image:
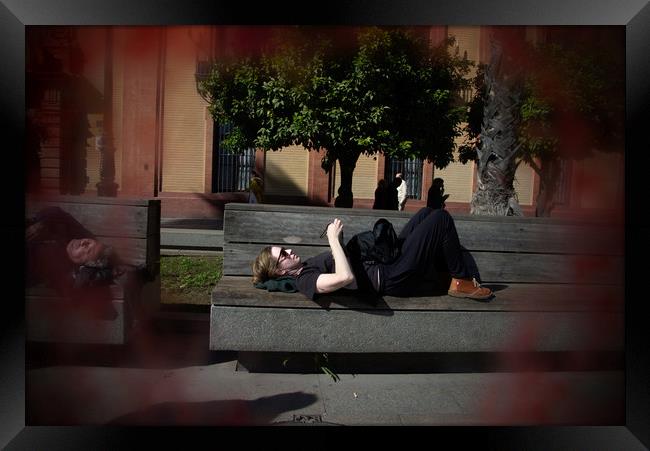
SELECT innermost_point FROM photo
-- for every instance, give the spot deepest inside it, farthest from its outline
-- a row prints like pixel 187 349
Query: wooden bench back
pixel 506 249
pixel 131 226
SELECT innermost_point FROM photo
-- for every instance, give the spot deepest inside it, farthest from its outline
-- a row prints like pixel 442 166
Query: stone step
pixel 191 239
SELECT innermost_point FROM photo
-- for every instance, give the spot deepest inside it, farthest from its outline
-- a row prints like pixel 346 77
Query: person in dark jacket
pixel 381 196
pixel 428 238
pixel 436 196
pixel 63 254
pixel 392 202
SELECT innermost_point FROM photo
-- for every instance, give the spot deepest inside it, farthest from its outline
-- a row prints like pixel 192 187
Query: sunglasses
pixel 283 253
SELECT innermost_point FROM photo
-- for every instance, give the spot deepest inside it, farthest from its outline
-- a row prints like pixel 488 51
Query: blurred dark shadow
pixel 261 411
pixel 495 286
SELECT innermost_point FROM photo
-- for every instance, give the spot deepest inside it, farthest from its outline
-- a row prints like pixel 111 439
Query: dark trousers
pixel 429 239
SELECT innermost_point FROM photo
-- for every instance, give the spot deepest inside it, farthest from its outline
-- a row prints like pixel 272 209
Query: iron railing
pixel 411 170
pixel 231 171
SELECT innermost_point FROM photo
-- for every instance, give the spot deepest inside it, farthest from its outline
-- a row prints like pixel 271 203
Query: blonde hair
pixel 264 266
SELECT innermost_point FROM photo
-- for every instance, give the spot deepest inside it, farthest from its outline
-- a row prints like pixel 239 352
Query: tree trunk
pixel 495 194
pixel 347 164
pixel 497 153
pixel 549 177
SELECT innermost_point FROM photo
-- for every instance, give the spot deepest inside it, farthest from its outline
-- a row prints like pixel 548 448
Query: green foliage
pixel 390 93
pixel 572 103
pixel 580 86
pixel 536 135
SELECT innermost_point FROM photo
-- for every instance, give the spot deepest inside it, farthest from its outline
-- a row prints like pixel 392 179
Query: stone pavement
pixel 186 236
pixel 168 376
pixel 216 394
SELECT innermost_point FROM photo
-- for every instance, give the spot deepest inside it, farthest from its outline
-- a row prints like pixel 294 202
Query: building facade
pixel 163 142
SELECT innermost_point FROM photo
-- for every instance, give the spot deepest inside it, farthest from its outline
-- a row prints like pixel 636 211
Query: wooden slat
pixel 493 266
pixel 98 200
pixel 103 219
pixel 311 210
pixel 239 291
pixel 494 235
pixel 540 268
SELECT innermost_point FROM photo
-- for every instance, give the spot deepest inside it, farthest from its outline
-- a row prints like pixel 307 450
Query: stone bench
pixel 132 227
pixel 558 288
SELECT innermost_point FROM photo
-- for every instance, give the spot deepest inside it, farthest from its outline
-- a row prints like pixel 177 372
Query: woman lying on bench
pixel 429 237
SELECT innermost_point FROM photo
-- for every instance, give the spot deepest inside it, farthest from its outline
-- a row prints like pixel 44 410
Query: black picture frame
pixel 633 14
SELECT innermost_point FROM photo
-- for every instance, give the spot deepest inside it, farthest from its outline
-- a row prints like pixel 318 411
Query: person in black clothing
pixel 392 202
pixel 428 238
pixel 381 196
pixel 436 196
pixel 64 255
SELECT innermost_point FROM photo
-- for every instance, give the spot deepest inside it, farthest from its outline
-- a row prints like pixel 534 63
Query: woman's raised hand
pixel 334 229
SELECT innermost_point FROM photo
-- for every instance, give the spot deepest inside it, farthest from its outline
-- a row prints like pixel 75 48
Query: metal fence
pixel 231 170
pixel 411 173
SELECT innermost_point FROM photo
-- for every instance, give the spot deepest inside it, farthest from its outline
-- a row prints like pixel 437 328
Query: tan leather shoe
pixel 468 288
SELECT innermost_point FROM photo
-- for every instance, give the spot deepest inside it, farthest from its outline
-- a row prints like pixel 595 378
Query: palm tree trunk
pixel 498 150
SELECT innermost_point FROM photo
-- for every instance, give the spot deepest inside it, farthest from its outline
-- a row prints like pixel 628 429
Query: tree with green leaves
pixel 569 105
pixel 391 93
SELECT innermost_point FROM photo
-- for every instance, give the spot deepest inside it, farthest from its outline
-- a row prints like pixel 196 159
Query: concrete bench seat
pixel 132 227
pixel 557 289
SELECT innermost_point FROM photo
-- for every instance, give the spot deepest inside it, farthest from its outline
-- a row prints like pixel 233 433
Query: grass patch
pixel 189 279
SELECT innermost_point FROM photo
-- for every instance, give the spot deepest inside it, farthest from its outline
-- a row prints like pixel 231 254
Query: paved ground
pixel 216 394
pixel 168 376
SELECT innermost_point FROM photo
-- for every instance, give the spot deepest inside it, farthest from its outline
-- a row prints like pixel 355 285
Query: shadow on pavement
pixel 261 411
